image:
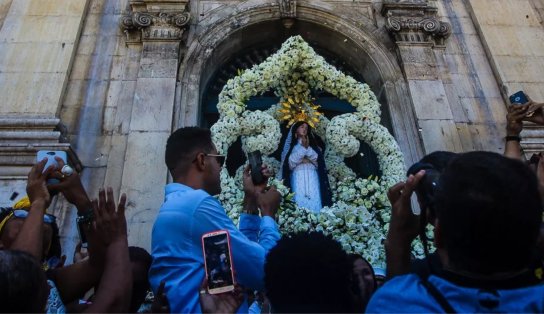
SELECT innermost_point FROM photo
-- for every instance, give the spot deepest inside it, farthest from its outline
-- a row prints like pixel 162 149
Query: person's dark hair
pixel 439 159
pixel 182 143
pixel 319 147
pixel 140 284
pixel 23 286
pixel 489 211
pixel 308 272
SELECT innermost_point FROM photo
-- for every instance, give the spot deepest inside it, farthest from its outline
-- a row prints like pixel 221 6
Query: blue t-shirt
pixel 406 294
pixel 176 245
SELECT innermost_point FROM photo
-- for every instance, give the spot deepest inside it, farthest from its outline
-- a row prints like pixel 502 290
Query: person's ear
pixel 200 161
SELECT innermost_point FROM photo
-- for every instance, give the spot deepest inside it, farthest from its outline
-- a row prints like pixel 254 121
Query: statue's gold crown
pixel 295 110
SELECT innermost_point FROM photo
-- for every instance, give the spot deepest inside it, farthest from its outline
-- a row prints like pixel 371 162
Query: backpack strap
pixel 438 296
pixel 424 273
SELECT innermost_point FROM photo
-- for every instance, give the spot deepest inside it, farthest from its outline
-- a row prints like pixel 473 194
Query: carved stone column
pixel 158 26
pixel 418 34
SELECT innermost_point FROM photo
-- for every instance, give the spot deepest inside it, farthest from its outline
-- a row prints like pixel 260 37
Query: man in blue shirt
pixel 189 211
pixel 487 219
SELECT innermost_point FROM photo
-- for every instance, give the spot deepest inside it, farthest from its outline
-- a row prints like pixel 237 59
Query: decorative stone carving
pixel 22 138
pixel 415 22
pixel 288 8
pixel 152 22
pixel 288 12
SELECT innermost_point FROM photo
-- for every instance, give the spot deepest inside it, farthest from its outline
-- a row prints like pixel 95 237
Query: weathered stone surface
pixel 430 100
pixel 440 135
pixel 153 104
pixel 144 173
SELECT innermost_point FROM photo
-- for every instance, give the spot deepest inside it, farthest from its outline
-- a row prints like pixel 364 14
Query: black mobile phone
pixel 518 98
pixel 82 236
pixel 218 261
pixel 256 164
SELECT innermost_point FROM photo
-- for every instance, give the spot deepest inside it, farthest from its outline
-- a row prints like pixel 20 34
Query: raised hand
pixel 110 224
pixel 514 118
pixel 251 188
pixel 227 302
pixel 71 187
pixel 36 187
pixel 403 227
pixel 269 201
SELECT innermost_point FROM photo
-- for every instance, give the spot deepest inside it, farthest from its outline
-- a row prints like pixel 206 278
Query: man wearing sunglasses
pixel 190 210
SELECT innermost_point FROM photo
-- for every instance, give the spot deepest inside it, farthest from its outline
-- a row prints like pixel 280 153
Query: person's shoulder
pixel 404 290
pixel 180 196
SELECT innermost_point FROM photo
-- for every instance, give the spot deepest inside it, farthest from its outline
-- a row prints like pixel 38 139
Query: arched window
pixel 364 163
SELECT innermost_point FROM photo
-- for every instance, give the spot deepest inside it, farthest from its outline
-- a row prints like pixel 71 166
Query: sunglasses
pixel 220 158
pixel 47 218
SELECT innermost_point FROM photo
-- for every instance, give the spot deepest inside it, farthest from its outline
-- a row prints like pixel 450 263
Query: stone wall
pixel 112 93
pixel 513 38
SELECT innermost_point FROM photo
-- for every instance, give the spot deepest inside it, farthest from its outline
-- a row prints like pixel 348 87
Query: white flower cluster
pixel 359 218
pixel 277 72
pixel 260 132
pixel 345 131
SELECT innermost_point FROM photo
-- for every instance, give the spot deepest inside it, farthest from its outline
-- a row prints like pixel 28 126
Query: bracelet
pixel 87 217
pixel 516 138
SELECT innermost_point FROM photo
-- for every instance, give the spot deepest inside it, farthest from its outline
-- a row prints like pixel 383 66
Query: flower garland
pixel 359 218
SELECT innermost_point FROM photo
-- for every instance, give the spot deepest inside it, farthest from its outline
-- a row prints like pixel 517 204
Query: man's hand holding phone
pixel 269 201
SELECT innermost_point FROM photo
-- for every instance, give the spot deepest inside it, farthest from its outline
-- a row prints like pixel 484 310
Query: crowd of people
pixel 485 210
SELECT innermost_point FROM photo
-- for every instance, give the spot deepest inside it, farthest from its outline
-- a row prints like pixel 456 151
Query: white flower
pixel 360 216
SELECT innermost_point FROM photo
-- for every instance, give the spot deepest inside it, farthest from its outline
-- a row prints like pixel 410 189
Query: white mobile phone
pixel 51 160
pixel 218 261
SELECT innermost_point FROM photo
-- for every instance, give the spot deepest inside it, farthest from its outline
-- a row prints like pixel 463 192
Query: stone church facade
pixel 108 80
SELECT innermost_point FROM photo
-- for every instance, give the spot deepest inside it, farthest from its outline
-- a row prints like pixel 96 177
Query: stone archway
pixel 366 47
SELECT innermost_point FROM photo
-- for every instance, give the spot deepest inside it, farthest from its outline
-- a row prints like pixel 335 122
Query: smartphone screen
pixel 218 262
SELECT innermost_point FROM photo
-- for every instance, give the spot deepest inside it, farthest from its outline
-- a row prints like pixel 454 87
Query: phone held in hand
pixel 518 98
pixel 51 161
pixel 82 235
pixel 256 163
pixel 218 262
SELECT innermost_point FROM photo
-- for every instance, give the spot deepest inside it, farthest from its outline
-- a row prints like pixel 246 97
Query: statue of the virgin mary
pixel 303 168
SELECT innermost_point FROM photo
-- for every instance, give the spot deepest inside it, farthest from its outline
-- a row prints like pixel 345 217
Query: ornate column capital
pixel 155 20
pixel 414 22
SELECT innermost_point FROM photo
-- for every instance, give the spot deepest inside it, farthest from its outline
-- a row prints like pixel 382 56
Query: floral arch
pixel 360 215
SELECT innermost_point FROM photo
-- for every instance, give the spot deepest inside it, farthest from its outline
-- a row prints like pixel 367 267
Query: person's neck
pixel 191 180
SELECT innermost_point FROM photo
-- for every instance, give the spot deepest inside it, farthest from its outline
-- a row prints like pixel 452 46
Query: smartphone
pixel 82 236
pixel 256 164
pixel 51 161
pixel 518 98
pixel 218 262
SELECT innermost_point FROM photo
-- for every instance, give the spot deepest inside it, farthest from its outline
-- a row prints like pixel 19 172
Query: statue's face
pixel 302 130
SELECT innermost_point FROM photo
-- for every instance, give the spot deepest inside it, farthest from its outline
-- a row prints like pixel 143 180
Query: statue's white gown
pixel 304 177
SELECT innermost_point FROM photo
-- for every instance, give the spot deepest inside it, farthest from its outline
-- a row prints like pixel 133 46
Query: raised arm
pixel 514 126
pixel 30 238
pixel 74 280
pixel 403 227
pixel 115 286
